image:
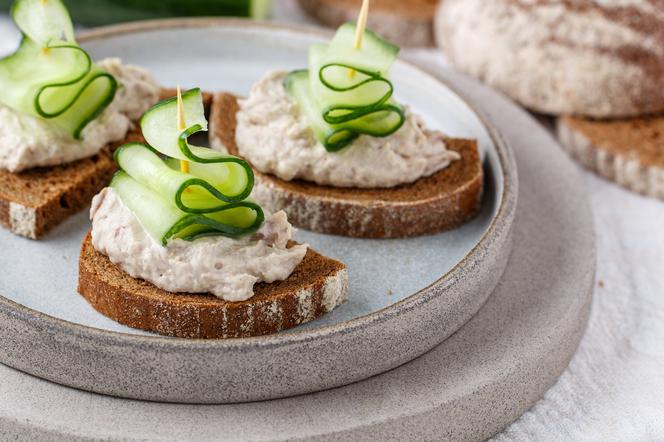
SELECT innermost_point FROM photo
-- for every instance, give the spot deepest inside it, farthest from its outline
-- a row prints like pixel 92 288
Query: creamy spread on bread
pixel 27 141
pixel 225 267
pixel 276 139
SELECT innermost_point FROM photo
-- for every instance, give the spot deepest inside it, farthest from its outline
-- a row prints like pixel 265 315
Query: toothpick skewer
pixel 182 125
pixel 361 23
pixel 359 29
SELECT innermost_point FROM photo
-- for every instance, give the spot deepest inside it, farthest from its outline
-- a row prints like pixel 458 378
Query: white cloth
pixel 613 389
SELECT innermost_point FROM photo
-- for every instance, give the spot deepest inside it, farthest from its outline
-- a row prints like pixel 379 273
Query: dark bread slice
pixel 317 285
pixel 36 200
pixel 442 201
pixel 628 151
pixel 406 23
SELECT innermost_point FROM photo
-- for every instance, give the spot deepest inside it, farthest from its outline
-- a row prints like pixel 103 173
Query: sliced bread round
pixel 576 57
pixel 629 152
pixel 442 201
pixel 406 23
pixel 316 286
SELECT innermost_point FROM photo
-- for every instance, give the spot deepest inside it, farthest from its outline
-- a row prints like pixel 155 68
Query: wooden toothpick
pixel 182 125
pixel 361 23
pixel 359 29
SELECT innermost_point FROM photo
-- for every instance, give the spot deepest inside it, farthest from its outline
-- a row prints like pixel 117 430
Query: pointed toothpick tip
pixel 360 26
pixel 182 125
pixel 180 110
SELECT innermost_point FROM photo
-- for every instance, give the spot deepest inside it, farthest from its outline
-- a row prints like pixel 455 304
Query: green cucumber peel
pixel 346 92
pixel 50 76
pixel 210 199
pixel 343 113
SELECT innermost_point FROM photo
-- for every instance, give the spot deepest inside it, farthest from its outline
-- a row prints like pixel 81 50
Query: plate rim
pixel 503 217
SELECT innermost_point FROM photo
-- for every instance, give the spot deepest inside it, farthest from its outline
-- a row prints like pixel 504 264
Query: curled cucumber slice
pixel 205 189
pixel 210 199
pixel 50 76
pixel 346 92
pixel 164 221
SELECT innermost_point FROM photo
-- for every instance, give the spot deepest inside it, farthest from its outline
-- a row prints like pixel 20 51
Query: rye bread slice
pixel 406 23
pixel 317 286
pixel 629 152
pixel 442 201
pixel 36 200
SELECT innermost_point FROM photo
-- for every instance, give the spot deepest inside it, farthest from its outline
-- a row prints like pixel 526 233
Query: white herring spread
pixel 225 267
pixel 276 139
pixel 27 141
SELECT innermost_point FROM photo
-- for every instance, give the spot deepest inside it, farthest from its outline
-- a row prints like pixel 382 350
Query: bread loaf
pixel 583 57
pixel 406 23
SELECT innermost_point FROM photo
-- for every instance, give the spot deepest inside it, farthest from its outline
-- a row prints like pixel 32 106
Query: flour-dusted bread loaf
pixel 316 286
pixel 442 201
pixel 406 23
pixel 629 152
pixel 583 57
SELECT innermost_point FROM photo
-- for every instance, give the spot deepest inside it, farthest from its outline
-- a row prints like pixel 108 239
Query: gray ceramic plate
pixel 466 389
pixel 406 295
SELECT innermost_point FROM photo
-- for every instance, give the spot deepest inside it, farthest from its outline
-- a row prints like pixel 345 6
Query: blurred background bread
pixel 601 59
pixel 404 22
pixel 628 151
pixel 597 65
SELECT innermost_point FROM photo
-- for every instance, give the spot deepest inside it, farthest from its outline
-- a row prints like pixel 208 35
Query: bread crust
pixel 404 23
pixel 442 201
pixel 569 57
pixel 317 285
pixel 628 152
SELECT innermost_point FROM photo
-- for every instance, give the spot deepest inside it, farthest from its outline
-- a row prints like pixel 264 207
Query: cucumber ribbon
pixel 346 92
pixel 50 76
pixel 210 199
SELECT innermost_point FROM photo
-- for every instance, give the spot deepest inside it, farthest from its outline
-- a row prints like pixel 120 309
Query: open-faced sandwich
pixel 178 248
pixel 340 155
pixel 60 113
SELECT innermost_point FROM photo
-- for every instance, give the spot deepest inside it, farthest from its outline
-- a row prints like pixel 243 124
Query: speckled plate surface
pixel 406 295
pixel 466 389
